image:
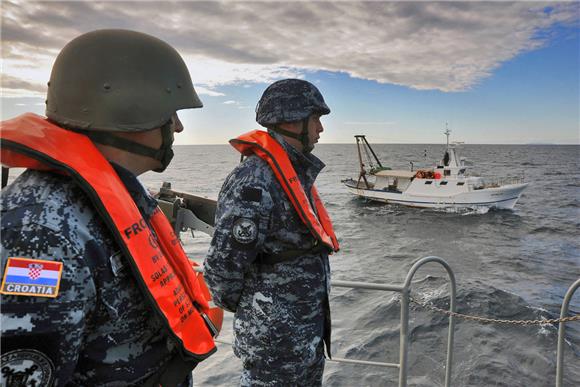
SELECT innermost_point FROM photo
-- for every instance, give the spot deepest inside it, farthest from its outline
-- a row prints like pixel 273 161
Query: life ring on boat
pixel 437 176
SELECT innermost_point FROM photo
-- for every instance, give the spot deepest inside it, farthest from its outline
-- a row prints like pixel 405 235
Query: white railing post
pixel 562 331
pixel 405 319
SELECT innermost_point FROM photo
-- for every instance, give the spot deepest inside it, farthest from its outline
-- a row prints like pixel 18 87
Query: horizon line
pixel 411 143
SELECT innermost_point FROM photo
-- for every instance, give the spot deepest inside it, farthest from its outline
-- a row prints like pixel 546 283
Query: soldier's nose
pixel 177 125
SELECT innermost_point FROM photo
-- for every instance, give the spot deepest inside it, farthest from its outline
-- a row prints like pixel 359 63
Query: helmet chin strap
pixel 307 147
pixel 302 136
pixel 163 154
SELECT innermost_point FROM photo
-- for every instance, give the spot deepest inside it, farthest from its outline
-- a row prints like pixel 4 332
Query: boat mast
pixel 361 142
pixel 447 133
pixel 372 151
pixel 358 145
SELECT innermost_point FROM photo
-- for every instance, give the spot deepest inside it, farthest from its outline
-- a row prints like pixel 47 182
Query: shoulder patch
pixel 245 231
pixel 251 194
pixel 31 277
pixel 26 367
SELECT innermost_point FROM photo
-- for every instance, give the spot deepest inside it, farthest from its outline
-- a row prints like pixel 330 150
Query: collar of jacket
pixel 144 201
pixel 307 165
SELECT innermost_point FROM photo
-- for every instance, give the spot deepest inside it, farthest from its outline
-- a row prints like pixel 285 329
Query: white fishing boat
pixel 447 185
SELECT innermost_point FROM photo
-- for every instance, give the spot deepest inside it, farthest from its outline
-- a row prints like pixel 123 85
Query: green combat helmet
pixel 118 80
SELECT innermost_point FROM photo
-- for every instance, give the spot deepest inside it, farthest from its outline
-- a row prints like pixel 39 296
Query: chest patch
pixel 26 367
pixel 31 277
pixel 245 230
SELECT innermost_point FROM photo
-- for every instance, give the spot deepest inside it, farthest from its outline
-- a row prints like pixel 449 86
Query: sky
pixel 497 72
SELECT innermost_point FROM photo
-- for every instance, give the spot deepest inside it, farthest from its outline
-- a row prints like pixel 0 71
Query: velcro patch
pixel 26 367
pixel 245 231
pixel 250 194
pixel 31 277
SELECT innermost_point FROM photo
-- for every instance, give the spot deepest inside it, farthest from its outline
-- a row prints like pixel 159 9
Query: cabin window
pixel 462 171
pixel 428 182
pixel 443 183
pixel 447 172
pixel 446 158
pixel 460 183
pixel 440 167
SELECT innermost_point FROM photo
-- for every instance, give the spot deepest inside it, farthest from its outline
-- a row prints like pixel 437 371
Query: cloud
pixel 205 91
pixel 213 73
pixel 238 104
pixel 21 88
pixel 447 46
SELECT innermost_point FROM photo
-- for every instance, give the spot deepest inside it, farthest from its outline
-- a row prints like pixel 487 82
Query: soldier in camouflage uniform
pixel 99 330
pixel 282 316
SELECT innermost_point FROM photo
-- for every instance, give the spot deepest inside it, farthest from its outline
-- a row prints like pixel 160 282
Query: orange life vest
pixel 163 271
pixel 267 148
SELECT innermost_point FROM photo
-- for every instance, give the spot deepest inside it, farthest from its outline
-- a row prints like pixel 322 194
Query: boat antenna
pixel 447 132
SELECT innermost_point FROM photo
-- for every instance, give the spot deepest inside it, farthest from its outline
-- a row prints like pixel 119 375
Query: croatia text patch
pixel 31 277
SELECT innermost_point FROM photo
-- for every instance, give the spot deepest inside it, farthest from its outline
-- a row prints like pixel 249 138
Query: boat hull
pixel 504 197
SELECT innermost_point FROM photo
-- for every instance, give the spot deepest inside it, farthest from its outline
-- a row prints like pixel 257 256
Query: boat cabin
pixel 393 180
pixel 451 165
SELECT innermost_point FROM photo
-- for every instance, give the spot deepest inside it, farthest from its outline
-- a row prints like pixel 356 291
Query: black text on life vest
pixel 135 228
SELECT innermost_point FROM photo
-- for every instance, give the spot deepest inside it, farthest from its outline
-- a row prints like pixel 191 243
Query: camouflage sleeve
pixel 42 332
pixel 242 218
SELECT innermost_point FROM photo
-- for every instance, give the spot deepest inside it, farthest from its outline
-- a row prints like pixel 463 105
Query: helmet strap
pixel 164 154
pixel 302 136
pixel 285 132
pixel 166 149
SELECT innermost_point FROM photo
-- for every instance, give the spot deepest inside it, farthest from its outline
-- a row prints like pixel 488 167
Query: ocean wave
pixel 555 173
pixel 477 210
pixel 546 229
pixel 570 205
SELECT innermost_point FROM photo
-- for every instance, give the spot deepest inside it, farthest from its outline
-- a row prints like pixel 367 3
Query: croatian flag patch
pixel 31 277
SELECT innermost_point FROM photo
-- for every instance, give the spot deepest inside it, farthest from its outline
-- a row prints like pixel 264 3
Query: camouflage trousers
pixel 290 375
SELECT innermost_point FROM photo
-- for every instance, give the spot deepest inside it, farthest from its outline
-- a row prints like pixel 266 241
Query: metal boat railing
pixel 561 332
pixel 495 182
pixel 405 291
